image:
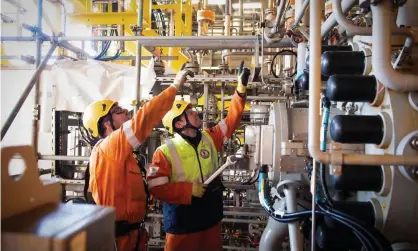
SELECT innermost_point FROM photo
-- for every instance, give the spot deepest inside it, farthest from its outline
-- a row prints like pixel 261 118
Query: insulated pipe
pixel 301 13
pixel 26 92
pixel 352 29
pixel 17 39
pixel 227 26
pixel 295 236
pixel 314 106
pixel 331 20
pixel 138 61
pixel 381 60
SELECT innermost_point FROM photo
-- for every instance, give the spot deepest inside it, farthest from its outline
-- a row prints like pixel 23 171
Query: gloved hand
pixel 198 190
pixel 181 78
pixel 243 76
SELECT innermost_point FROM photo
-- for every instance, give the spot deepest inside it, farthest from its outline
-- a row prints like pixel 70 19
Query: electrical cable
pixel 272 71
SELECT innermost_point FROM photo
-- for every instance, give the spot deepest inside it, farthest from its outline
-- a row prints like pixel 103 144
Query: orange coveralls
pixel 181 192
pixel 115 178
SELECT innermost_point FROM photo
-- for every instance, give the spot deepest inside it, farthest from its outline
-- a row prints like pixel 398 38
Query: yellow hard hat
pixel 178 108
pixel 94 112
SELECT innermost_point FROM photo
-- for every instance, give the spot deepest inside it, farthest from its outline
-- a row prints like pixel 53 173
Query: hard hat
pixel 94 112
pixel 178 108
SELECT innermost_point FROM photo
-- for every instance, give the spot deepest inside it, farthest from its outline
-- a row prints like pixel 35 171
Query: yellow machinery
pixel 182 11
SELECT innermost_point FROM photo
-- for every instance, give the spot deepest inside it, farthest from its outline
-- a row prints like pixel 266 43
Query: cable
pixel 324 187
pixel 274 58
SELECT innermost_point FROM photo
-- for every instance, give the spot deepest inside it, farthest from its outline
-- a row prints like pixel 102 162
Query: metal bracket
pixel 336 160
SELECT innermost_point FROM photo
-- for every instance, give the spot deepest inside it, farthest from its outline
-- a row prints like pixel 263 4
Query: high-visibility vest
pixel 195 165
pixel 188 163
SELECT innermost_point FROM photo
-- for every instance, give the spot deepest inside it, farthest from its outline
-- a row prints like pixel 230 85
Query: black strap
pixel 122 228
pixel 87 194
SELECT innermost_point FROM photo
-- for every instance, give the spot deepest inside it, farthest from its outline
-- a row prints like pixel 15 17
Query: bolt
pixel 414 142
pixel 414 172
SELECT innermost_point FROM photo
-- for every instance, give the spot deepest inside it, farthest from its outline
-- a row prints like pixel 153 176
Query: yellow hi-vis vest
pixel 189 164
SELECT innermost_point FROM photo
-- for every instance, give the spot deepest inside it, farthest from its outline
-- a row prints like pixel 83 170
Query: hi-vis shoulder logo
pixel 204 153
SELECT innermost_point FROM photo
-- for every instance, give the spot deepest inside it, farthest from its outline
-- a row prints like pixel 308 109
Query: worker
pixel 115 178
pixel 193 212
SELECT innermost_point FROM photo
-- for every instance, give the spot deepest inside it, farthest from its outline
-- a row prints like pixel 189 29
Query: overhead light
pixel 247 5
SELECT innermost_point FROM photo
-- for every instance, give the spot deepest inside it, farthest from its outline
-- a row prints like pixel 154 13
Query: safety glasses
pixel 117 110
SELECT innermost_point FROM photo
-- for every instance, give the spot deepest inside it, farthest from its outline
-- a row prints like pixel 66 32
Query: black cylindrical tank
pixel 357 129
pixel 358 178
pixel 325 48
pixel 352 88
pixel 342 62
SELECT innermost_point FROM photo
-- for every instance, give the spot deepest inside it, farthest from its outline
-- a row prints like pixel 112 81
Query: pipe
pixel 273 236
pixel 352 29
pixel 295 237
pixel 241 14
pixel 193 42
pixel 227 25
pixel 17 39
pixel 39 41
pixel 381 60
pixel 205 104
pixel 250 53
pixel 314 105
pixel 280 11
pixel 331 21
pixel 138 61
pixel 63 157
pixel 26 92
pixel 259 98
pixel 301 13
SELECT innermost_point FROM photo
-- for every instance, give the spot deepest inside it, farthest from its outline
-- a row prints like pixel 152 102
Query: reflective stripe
pixel 129 133
pixel 176 161
pixel 223 127
pixel 157 182
pixel 212 153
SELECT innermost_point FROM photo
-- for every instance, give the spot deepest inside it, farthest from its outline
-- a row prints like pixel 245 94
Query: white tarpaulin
pixel 72 85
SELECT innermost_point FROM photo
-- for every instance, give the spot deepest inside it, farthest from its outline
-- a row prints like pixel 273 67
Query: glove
pixel 198 190
pixel 181 77
pixel 243 76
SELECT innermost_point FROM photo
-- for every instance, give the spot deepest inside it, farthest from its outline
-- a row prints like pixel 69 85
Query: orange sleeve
pixel 158 178
pixel 134 132
pixel 224 129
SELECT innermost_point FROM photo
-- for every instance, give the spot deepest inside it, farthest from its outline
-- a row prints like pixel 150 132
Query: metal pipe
pixel 227 26
pixel 331 21
pixel 259 98
pixel 381 60
pixel 63 157
pixel 314 106
pixel 205 104
pixel 138 61
pixel 273 235
pixel 192 42
pixel 301 13
pixel 26 92
pixel 280 11
pixel 241 14
pixel 39 41
pixel 250 53
pixel 295 237
pixel 17 39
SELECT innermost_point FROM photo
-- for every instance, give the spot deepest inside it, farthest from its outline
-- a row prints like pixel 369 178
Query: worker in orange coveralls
pixel 193 212
pixel 115 177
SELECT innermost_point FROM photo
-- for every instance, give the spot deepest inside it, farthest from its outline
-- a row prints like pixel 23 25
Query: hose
pixel 272 71
pixel 371 239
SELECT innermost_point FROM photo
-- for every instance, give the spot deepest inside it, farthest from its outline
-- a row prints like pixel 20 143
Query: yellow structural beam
pixel 4 62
